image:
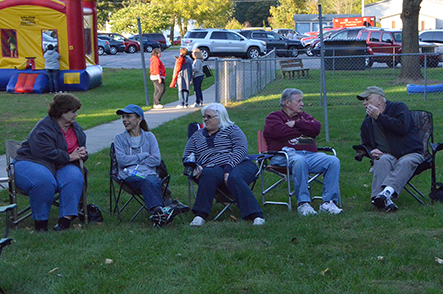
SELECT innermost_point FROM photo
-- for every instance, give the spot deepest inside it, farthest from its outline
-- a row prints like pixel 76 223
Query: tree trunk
pixel 410 65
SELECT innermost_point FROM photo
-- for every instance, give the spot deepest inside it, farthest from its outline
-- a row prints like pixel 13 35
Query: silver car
pixel 221 42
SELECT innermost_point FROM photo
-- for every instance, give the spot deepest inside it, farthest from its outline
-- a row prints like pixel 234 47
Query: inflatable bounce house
pixel 27 27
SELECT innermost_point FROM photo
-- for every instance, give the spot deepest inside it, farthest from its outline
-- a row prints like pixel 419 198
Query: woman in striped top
pixel 220 151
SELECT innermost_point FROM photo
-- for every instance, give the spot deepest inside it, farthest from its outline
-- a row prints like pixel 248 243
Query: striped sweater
pixel 226 148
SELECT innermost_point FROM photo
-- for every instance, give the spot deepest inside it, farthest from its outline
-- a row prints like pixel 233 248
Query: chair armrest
pixel 361 151
pixel 436 147
pixel 327 149
pixel 7 208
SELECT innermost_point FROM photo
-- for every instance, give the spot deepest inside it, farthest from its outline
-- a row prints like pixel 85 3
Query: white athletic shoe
pixel 158 106
pixel 258 221
pixel 306 209
pixel 179 106
pixel 330 207
pixel 197 222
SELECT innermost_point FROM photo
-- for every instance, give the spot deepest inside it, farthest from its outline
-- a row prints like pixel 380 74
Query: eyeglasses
pixel 208 117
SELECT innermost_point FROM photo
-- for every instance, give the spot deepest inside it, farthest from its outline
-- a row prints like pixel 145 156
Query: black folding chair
pixel 424 123
pixel 14 191
pixel 134 194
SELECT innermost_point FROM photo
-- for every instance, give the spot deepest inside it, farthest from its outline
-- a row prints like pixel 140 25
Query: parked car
pixel 284 32
pixel 389 42
pixel 432 36
pixel 312 35
pixel 221 42
pixel 283 46
pixel 148 45
pixel 158 37
pixel 116 46
pixel 130 45
pixel 177 41
pixel 338 34
pixel 103 47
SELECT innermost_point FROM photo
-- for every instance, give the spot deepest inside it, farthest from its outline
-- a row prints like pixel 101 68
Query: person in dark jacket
pixel 294 131
pixel 49 161
pixel 391 137
pixel 52 67
pixel 182 77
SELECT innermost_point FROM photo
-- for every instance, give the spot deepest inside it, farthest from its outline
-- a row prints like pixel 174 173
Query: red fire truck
pixel 345 22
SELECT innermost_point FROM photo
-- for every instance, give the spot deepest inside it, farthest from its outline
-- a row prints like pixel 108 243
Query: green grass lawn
pixel 359 251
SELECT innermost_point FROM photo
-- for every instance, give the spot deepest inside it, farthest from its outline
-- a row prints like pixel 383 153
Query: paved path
pixel 100 137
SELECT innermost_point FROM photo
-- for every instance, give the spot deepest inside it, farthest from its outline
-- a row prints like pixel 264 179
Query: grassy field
pixel 359 251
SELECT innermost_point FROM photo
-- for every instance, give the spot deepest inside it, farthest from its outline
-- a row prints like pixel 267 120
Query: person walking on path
pixel 158 75
pixel 198 76
pixel 52 67
pixel 182 77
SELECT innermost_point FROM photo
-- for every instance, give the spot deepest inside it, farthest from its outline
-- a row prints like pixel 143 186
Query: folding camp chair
pixel 283 172
pixel 222 195
pixel 134 194
pixel 13 190
pixel 5 241
pixel 424 123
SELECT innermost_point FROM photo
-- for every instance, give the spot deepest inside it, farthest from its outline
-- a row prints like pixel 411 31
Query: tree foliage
pixel 105 9
pixel 253 13
pixel 153 18
pixel 233 24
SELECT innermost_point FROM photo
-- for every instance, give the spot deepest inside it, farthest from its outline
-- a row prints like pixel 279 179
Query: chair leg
pixel 413 195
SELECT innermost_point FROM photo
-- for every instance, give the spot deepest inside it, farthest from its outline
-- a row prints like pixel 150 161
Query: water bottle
pixel 134 173
pixel 189 164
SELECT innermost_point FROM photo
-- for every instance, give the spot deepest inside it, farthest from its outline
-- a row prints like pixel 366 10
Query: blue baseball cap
pixel 132 108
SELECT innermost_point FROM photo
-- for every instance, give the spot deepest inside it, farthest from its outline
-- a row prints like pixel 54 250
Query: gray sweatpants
pixel 393 172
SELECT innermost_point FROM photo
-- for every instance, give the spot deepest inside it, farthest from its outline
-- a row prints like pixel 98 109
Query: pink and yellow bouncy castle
pixel 27 27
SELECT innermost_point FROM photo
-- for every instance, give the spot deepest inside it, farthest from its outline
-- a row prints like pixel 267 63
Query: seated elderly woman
pixel 48 162
pixel 220 151
pixel 138 156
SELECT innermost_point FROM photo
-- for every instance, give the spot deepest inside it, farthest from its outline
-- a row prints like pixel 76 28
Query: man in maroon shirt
pixel 294 132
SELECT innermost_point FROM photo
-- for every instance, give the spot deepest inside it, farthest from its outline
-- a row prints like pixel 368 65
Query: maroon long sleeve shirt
pixel 300 137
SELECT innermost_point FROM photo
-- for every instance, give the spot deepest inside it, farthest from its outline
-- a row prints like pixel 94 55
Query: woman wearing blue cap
pixel 138 156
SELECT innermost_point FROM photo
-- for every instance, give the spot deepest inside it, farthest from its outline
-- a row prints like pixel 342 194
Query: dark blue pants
pixel 238 185
pixel 198 89
pixel 150 189
pixel 53 79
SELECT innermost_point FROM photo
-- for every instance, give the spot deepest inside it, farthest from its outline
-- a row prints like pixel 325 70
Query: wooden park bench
pixel 291 66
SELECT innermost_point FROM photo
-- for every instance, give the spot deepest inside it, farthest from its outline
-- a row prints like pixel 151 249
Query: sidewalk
pixel 100 137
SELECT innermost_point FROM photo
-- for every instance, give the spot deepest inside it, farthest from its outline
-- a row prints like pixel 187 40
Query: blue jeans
pixel 238 185
pixel 150 189
pixel 302 163
pixel 183 97
pixel 40 184
pixel 198 89
pixel 53 79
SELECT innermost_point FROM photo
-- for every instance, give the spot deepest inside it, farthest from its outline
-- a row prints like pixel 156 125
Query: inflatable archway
pixel 27 27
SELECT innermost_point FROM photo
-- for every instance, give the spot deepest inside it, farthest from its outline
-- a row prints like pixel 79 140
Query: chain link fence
pixel 262 80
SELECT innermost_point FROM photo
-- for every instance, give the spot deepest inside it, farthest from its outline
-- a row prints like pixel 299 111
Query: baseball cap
pixel 132 108
pixel 369 91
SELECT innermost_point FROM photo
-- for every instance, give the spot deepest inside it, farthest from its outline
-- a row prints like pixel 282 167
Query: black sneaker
pixel 390 206
pixel 379 201
pixel 163 216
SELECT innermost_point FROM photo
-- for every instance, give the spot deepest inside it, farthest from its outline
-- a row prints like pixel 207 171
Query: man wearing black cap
pixel 391 137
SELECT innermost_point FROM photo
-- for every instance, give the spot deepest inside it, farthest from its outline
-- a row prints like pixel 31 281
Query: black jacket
pixel 399 128
pixel 47 146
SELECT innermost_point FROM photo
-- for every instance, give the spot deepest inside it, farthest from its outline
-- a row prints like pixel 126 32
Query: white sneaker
pixel 158 106
pixel 330 207
pixel 306 209
pixel 197 222
pixel 179 106
pixel 258 221
pixel 193 105
pixel 185 106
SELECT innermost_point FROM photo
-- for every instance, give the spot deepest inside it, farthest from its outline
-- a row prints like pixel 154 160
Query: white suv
pixel 221 42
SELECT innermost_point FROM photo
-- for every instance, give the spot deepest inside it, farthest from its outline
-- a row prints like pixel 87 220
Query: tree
pixel 105 9
pixel 253 12
pixel 152 18
pixel 233 24
pixel 410 65
pixel 282 16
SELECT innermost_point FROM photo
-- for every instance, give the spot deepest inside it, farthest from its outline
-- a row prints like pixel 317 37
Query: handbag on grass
pixel 207 71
